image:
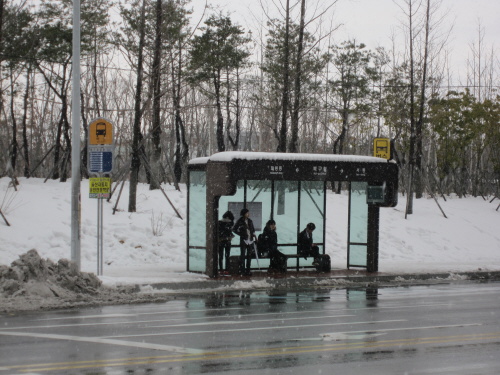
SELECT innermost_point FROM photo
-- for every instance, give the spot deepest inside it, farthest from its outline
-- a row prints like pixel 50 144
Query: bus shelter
pixel 291 189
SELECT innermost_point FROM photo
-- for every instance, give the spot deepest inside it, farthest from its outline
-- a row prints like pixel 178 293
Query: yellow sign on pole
pixel 99 187
pixel 100 132
pixel 382 148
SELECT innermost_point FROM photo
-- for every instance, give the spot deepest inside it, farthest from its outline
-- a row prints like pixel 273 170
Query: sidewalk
pixel 336 278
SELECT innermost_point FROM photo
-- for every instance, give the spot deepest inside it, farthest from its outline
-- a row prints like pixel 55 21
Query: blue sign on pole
pixel 107 162
pixel 100 161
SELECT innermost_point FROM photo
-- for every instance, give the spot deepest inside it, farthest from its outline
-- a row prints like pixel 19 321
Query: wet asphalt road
pixel 434 329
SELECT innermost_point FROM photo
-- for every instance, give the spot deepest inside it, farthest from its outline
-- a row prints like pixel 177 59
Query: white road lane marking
pixel 232 330
pixel 417 328
pixel 224 317
pixel 170 312
pixel 104 316
pixel 470 368
pixel 98 340
pixel 137 322
pixel 366 334
pixel 242 321
pixel 338 336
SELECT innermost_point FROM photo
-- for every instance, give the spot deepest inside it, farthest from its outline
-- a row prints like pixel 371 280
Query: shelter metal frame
pixel 377 179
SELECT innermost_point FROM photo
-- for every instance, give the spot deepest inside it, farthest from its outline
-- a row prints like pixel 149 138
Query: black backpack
pixel 262 246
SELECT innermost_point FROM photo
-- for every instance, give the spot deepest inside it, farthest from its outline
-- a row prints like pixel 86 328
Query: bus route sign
pixel 100 147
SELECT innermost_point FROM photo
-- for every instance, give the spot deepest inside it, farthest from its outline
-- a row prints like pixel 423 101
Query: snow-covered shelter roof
pixel 228 156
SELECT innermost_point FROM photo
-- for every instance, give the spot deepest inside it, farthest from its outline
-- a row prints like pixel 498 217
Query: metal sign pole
pixel 100 165
pixel 102 235
pixel 98 236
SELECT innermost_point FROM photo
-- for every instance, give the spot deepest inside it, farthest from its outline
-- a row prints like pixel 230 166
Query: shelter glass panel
pixel 197 260
pixel 312 209
pixel 357 255
pixel 286 205
pixel 233 203
pixel 358 224
pixel 259 202
pixel 259 195
pixel 197 221
pixel 197 208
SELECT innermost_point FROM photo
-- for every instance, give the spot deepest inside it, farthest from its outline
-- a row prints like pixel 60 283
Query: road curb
pixel 318 281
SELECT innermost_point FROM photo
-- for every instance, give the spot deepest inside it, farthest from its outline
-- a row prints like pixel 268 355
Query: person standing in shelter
pixel 306 247
pixel 225 237
pixel 245 229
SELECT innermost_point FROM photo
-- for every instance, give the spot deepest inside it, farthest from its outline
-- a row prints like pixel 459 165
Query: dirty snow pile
pixel 32 275
pixel 32 283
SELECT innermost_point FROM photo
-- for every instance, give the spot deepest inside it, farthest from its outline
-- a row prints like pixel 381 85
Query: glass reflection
pixel 358 227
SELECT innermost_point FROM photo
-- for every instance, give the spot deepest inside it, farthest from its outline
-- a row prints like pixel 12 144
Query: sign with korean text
pixel 382 148
pixel 99 187
pixel 100 146
pixel 100 159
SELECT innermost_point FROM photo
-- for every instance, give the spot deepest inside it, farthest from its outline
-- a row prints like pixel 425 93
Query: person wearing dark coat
pixel 225 237
pixel 245 229
pixel 306 247
pixel 268 240
pixel 268 244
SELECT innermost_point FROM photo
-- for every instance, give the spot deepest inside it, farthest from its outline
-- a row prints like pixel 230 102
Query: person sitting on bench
pixel 268 244
pixel 306 247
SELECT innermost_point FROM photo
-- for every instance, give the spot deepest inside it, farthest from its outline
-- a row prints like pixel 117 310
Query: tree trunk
pixel 178 160
pixel 298 79
pixel 156 77
pixel 419 125
pixel 94 77
pixel 237 123
pixel 409 203
pixel 137 135
pixel 24 125
pixel 181 147
pixel 67 139
pixel 13 144
pixel 84 172
pixel 286 85
pixel 220 119
pixel 57 150
pixel 229 120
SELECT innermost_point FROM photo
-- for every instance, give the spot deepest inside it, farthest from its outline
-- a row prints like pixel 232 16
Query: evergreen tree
pixel 351 87
pixel 220 49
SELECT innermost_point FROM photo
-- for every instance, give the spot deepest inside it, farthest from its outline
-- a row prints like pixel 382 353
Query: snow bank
pixel 149 246
pixel 32 275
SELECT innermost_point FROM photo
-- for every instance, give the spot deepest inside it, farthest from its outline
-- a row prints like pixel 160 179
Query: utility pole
pixel 75 140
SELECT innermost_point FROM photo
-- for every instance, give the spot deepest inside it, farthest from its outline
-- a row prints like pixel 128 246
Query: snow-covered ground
pixel 150 245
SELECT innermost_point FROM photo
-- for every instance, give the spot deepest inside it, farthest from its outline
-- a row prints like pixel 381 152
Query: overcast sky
pixel 373 21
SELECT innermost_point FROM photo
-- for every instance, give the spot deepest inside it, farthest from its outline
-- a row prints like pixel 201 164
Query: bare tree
pixel 156 81
pixel 420 27
pixel 137 134
pixel 286 84
pixel 298 80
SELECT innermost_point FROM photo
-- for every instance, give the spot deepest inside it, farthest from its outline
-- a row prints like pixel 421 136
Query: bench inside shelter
pixel 294 261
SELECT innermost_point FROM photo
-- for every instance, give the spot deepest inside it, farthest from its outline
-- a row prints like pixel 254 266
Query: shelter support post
pixel 373 239
pixel 219 183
